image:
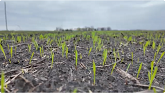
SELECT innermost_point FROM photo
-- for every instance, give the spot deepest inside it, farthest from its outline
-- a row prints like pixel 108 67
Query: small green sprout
pixel 63 49
pixel 128 67
pixel 66 52
pixel 11 51
pixel 151 75
pixel 90 51
pixel 94 72
pixel 10 61
pixel 104 56
pixel 2 82
pixel 52 54
pixel 153 45
pixel 161 57
pixel 113 68
pixel 40 51
pixel 76 57
pixel 155 56
pixel 36 44
pixel 139 70
pixel 31 57
pixel 29 47
pixel 75 90
pixel 158 48
pixel 3 51
pixel 144 50
pixel 154 90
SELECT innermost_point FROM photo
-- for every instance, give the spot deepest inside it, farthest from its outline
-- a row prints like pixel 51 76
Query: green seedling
pixel 31 57
pixel 36 44
pixel 128 67
pixel 19 39
pixel 90 51
pixel 3 51
pixel 118 54
pixel 63 49
pixel 153 45
pixel 151 75
pixel 2 82
pixel 104 56
pixel 75 90
pixel 113 68
pixel 155 56
pixel 23 38
pixel 76 57
pixel 29 47
pixel 9 61
pixel 161 57
pixel 66 52
pixel 144 49
pixel 158 48
pixel 52 54
pixel 40 51
pixel 154 90
pixel 11 51
pixel 94 72
pixel 139 70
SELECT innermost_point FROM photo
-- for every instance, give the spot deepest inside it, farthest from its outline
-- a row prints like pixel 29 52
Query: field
pixel 82 61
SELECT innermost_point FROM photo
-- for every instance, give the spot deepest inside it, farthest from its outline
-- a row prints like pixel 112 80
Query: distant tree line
pixel 85 29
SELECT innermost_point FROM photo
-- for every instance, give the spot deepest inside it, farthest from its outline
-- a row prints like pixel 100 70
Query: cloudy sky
pixel 47 15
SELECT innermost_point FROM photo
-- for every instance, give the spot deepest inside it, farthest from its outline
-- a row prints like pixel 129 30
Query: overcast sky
pixel 47 15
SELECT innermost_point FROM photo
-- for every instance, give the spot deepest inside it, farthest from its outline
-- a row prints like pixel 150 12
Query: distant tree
pixel 108 28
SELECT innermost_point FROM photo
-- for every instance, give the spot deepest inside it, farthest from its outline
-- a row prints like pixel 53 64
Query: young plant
pixel 139 70
pixel 11 51
pixel 29 47
pixel 153 45
pixel 63 49
pixel 2 82
pixel 158 48
pixel 3 51
pixel 113 68
pixel 151 75
pixel 104 56
pixel 144 49
pixel 161 57
pixel 90 51
pixel 40 51
pixel 94 72
pixel 75 90
pixel 31 57
pixel 36 44
pixel 128 67
pixel 76 58
pixel 66 52
pixel 52 54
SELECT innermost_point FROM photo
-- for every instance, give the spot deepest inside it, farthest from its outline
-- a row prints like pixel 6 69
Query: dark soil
pixel 64 77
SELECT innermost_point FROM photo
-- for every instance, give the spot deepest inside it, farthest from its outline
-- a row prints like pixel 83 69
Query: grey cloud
pixel 47 15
